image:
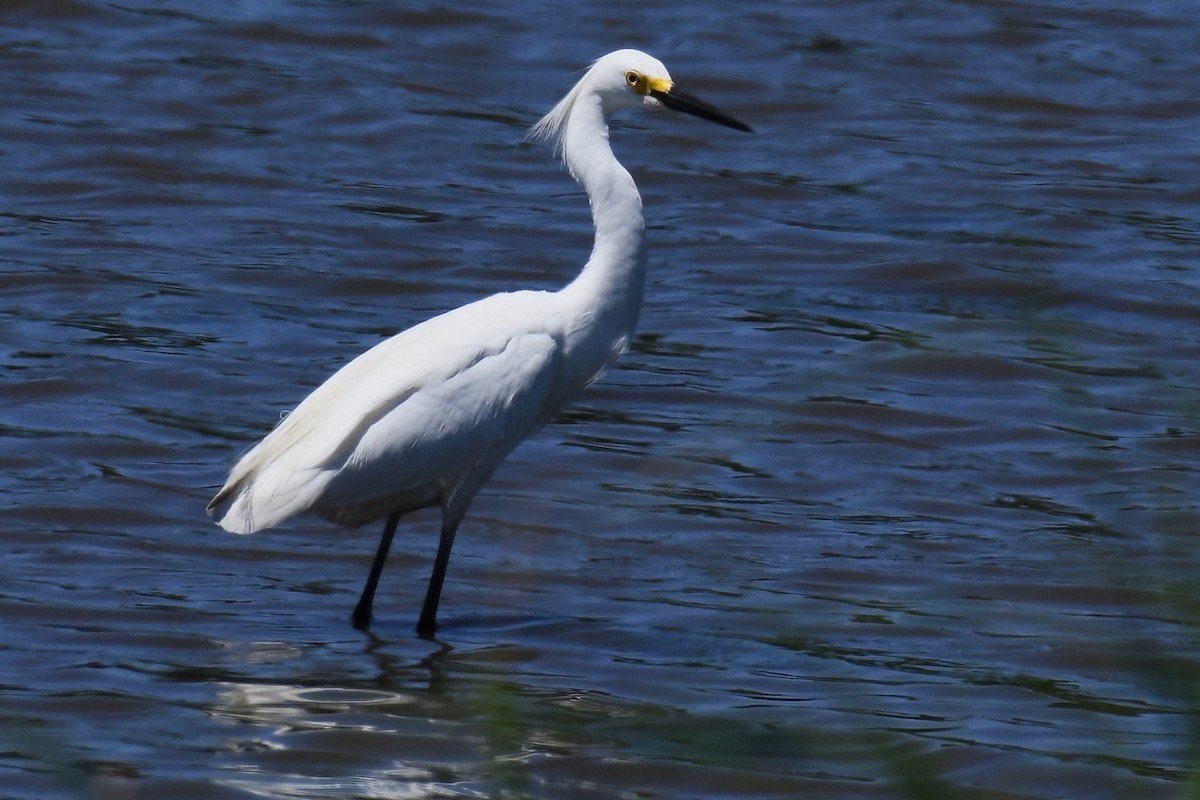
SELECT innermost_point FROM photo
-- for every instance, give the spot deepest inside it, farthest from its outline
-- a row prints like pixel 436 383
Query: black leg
pixel 362 612
pixel 427 624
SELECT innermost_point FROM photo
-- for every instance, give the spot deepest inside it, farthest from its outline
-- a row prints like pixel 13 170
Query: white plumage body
pixel 422 418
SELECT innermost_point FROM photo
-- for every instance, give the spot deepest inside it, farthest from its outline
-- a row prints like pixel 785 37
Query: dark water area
pixel 894 495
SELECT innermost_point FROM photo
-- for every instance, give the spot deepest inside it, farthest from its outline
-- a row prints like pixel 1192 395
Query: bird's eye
pixel 632 78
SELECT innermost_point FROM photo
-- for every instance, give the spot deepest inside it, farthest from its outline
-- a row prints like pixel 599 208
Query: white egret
pixel 423 418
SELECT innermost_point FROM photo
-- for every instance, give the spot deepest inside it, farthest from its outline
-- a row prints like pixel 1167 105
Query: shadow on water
pixel 286 728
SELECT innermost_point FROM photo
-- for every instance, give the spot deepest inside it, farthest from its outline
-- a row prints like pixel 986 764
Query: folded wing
pixel 406 424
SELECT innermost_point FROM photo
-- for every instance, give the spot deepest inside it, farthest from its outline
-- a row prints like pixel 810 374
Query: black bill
pixel 682 101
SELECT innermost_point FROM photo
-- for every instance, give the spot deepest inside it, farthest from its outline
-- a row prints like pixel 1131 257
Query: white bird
pixel 423 419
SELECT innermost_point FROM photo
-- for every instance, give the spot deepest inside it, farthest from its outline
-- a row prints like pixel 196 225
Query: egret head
pixel 628 78
pixel 646 79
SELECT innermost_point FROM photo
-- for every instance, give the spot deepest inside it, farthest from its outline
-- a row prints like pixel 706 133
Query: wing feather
pixel 402 416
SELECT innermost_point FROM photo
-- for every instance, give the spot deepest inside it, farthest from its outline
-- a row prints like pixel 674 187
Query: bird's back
pixel 418 416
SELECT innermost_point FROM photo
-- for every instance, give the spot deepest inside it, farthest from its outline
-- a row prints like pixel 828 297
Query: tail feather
pixel 231 511
pixel 256 502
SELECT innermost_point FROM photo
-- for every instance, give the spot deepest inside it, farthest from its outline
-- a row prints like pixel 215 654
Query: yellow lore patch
pixel 644 84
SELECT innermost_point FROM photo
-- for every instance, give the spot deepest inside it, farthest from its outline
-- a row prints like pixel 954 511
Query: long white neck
pixel 612 281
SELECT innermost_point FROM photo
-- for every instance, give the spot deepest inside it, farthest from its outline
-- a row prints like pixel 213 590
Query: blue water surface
pixel 893 495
